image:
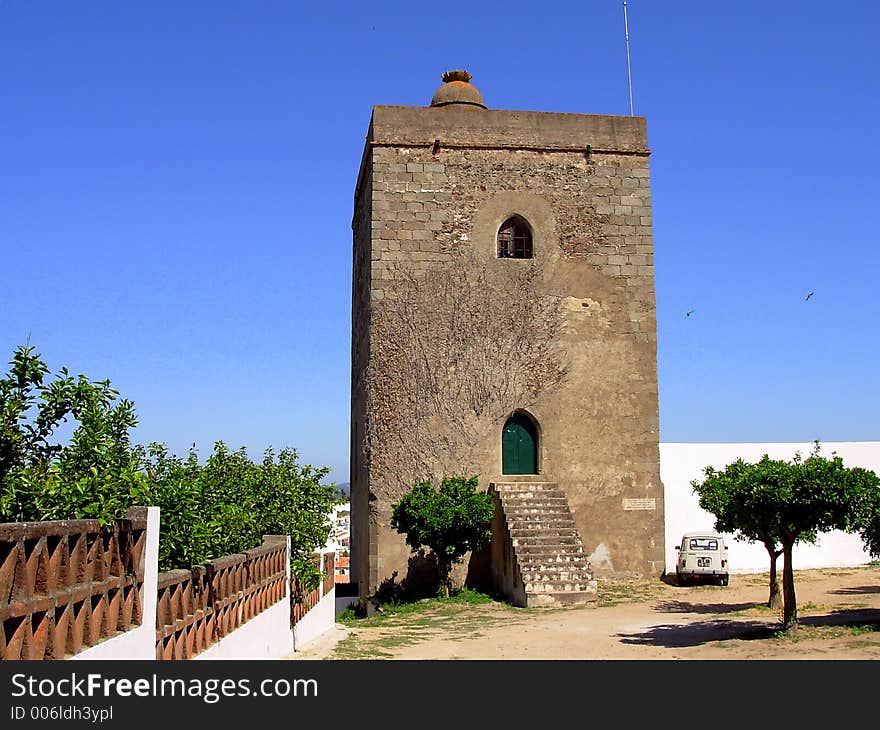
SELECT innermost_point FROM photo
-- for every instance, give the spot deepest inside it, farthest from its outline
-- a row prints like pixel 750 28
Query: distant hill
pixel 345 488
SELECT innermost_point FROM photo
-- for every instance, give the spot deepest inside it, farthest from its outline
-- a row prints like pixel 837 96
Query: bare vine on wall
pixel 454 351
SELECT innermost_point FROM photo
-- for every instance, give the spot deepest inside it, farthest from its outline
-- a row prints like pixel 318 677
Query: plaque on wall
pixel 645 503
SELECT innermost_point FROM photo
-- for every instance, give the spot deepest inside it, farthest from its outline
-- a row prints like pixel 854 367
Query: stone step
pixel 542 495
pixel 556 586
pixel 542 530
pixel 553 563
pixel 536 495
pixel 572 598
pixel 526 520
pixel 526 532
pixel 548 549
pixel 567 543
pixel 535 503
pixel 542 536
pixel 525 484
pixel 537 511
pixel 536 522
pixel 551 555
pixel 572 572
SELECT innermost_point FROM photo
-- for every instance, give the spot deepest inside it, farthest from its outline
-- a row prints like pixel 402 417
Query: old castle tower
pixel 504 325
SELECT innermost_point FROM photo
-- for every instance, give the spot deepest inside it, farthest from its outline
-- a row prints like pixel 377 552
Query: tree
pixel 790 502
pixel 451 521
pixel 95 475
pixel 207 511
pixel 226 505
pixel 741 504
pixel 867 521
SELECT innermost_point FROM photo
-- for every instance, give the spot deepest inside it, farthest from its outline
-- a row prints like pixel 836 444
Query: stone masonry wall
pixel 363 544
pixel 590 210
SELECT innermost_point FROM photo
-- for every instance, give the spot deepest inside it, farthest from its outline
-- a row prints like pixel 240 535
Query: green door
pixel 519 446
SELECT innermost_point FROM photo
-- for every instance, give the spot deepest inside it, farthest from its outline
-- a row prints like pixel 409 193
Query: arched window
pixel 515 239
pixel 519 445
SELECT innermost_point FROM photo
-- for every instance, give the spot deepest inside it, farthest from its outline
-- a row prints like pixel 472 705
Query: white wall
pixel 322 616
pixel 682 463
pixel 344 602
pixel 265 636
pixel 316 622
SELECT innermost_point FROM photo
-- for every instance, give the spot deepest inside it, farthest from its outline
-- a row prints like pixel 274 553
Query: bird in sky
pixel 808 296
pixel 688 314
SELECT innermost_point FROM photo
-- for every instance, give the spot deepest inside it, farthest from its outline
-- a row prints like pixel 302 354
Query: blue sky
pixel 176 183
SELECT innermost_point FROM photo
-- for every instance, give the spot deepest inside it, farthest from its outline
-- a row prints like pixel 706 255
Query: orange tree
pixel 207 510
pixel 451 521
pixel 786 502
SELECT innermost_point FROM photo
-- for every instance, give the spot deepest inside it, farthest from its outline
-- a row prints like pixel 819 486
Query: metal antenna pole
pixel 628 68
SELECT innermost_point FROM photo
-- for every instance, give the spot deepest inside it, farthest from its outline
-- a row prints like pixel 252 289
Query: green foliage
pixel 451 520
pixel 785 502
pixel 230 502
pixel 207 511
pixel 348 616
pixel 780 500
pixel 95 475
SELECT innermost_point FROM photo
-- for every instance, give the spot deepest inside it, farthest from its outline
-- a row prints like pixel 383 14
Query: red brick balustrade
pixel 330 569
pixel 198 607
pixel 301 602
pixel 66 585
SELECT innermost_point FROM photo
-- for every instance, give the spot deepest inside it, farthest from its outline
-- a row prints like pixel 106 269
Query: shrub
pixel 451 521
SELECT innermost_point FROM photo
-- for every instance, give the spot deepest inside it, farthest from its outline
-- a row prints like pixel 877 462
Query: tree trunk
pixel 775 599
pixel 445 569
pixel 789 608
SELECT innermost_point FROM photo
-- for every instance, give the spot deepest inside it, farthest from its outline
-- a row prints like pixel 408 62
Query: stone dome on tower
pixel 458 91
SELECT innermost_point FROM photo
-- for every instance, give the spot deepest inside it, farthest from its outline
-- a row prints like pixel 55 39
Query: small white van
pixel 702 556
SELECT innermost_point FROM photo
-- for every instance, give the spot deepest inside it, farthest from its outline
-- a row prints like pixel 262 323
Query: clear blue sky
pixel 176 183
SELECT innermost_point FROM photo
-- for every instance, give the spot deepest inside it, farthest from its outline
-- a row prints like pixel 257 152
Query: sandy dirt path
pixel 636 619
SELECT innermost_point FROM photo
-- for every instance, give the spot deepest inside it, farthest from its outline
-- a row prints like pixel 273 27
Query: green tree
pixel 867 521
pixel 743 505
pixel 229 503
pixel 451 521
pixel 95 475
pixel 794 501
pixel 207 511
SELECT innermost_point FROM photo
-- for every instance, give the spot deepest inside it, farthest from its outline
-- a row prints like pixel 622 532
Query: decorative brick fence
pixel 68 585
pixel 198 607
pixel 301 602
pixel 71 590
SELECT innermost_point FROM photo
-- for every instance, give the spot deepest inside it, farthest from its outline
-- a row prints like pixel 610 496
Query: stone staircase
pixel 548 550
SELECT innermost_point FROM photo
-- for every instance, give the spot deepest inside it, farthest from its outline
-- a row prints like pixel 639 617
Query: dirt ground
pixel 839 611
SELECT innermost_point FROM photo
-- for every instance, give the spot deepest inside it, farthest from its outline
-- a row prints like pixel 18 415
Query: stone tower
pixel 504 325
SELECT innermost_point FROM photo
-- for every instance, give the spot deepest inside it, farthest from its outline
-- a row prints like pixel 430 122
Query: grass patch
pixel 465 614
pixel 614 591
pixel 463 597
pixel 837 631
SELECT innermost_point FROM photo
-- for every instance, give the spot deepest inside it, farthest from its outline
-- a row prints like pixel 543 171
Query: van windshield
pixel 703 543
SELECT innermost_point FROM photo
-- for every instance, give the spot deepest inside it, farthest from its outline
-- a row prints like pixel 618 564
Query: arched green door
pixel 519 446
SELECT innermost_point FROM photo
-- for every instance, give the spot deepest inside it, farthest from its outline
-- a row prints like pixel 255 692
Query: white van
pixel 702 556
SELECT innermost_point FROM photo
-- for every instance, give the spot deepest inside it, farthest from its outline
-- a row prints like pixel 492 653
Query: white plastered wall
pixel 682 463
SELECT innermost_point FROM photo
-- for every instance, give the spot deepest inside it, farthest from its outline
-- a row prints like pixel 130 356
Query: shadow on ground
pixel 700 632
pixel 713 608
pixel 845 617
pixel 703 632
pixel 857 590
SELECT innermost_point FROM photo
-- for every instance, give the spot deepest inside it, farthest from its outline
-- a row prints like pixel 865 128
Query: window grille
pixel 515 239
